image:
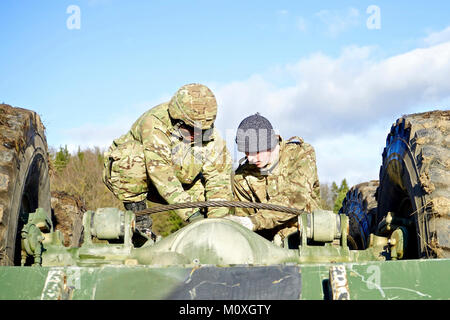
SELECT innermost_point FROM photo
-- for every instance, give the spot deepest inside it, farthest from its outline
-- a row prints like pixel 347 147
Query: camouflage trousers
pixel 125 175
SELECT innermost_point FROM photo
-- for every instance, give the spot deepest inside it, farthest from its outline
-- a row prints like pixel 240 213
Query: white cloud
pixel 356 157
pixel 344 106
pixel 282 12
pixel 354 87
pixel 338 21
pixel 438 37
pixel 90 134
pixel 344 93
pixel 286 22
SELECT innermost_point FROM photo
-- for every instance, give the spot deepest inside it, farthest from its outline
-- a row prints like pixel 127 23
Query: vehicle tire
pixel 360 206
pixel 24 179
pixel 415 181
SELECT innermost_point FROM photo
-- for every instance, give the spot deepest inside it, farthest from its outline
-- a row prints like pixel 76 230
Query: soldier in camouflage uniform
pixel 172 154
pixel 275 171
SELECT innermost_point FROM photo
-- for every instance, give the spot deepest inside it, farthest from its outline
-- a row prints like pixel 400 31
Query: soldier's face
pixel 191 133
pixel 260 159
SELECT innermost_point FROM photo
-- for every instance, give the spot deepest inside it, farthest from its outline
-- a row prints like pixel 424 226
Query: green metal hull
pixel 215 259
pixel 390 280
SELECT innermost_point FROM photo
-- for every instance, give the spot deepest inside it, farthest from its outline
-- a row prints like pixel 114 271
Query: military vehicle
pixel 390 239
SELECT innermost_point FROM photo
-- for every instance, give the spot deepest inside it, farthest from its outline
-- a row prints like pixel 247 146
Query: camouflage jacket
pixel 172 162
pixel 291 181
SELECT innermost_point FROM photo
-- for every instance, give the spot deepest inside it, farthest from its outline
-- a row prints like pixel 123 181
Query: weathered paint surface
pixel 412 279
pixel 383 280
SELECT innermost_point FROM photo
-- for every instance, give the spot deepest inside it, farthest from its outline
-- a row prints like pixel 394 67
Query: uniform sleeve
pixel 308 186
pixel 242 192
pixel 267 219
pixel 217 174
pixel 159 166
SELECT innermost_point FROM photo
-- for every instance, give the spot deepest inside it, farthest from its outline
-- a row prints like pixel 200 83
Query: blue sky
pixel 313 68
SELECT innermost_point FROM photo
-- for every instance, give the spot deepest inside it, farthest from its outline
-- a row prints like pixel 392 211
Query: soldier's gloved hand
pixel 144 222
pixel 196 216
pixel 244 221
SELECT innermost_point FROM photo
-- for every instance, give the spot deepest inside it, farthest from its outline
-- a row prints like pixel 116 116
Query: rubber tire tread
pixel 360 206
pixel 416 160
pixel 24 179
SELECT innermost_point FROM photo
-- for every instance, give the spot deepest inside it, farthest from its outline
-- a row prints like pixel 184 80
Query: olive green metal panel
pixel 143 282
pixel 87 283
pixel 124 283
pixel 388 280
pixel 412 279
pixel 22 283
pixel 403 279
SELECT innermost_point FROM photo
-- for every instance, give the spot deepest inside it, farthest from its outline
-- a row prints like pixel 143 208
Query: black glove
pixel 144 222
pixel 197 215
pixel 135 206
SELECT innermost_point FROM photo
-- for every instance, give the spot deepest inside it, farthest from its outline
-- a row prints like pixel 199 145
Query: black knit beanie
pixel 255 133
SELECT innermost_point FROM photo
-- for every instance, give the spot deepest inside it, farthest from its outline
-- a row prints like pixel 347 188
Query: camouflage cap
pixel 195 105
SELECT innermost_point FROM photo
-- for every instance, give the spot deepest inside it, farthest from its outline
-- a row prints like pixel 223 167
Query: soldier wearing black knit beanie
pixel 276 171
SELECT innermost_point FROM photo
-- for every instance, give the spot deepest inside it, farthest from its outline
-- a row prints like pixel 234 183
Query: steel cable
pixel 227 204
